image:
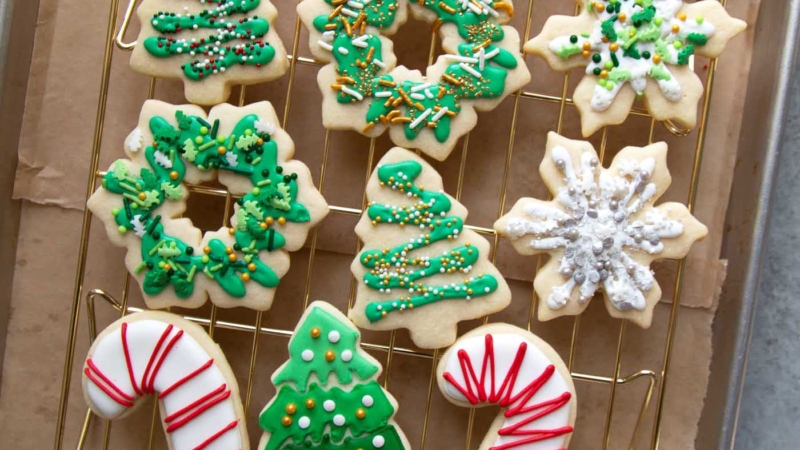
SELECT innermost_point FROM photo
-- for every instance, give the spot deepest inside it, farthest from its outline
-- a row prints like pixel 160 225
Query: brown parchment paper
pixel 54 157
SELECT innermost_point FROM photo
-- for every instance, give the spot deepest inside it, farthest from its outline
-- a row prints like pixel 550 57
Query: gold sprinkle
pixel 447 8
pixel 368 127
pixel 450 80
pixel 387 83
pixel 336 12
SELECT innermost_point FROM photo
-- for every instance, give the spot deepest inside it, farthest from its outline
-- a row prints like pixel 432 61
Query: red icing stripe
pixel 108 381
pixel 110 393
pixel 216 435
pixel 149 386
pixel 183 380
pixel 128 358
pixel 153 355
pixel 475 391
pixel 195 403
pixel 200 410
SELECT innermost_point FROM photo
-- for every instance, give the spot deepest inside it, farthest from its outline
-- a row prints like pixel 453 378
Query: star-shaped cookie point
pixel 601 229
pixel 636 48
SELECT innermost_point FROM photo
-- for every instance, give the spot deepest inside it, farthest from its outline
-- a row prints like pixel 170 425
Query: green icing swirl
pixel 413 105
pixel 235 41
pixel 395 268
pixel 247 151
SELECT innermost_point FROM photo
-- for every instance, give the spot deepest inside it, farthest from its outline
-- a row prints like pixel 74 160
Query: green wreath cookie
pixel 141 197
pixel 364 91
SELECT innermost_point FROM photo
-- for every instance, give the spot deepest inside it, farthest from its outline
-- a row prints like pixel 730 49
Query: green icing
pixel 347 404
pixel 416 106
pixel 391 438
pixel 633 39
pixel 246 151
pixel 234 41
pixel 298 371
pixel 396 268
pixel 354 414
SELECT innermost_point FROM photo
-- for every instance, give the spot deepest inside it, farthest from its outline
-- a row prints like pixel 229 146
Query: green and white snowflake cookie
pixel 141 198
pixel 363 90
pixel 209 44
pixel 636 48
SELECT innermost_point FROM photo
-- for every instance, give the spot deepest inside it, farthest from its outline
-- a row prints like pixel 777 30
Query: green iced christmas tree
pixel 327 394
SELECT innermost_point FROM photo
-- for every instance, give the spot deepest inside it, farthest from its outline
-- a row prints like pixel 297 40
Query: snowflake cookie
pixel 502 365
pixel 601 230
pixel 420 269
pixel 328 396
pixel 363 90
pixel 140 199
pixel 636 48
pixel 209 44
pixel 162 354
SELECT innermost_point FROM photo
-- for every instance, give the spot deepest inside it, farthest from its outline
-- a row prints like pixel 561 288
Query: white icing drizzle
pixel 187 381
pixel 534 364
pixel 631 69
pixel 594 229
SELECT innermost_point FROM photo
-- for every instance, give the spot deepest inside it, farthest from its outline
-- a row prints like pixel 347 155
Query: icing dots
pixel 328 398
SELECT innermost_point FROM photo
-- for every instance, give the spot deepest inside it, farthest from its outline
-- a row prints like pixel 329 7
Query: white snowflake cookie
pixel 601 230
pixel 636 49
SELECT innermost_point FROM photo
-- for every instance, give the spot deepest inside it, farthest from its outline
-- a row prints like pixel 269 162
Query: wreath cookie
pixel 502 365
pixel 328 396
pixel 209 44
pixel 160 353
pixel 141 198
pixel 601 230
pixel 363 91
pixel 636 49
pixel 420 269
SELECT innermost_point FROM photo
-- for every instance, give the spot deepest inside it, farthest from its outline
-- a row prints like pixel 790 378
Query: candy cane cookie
pixel 162 354
pixel 500 364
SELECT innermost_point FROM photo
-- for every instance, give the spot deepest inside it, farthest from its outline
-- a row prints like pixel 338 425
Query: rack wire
pixel 654 381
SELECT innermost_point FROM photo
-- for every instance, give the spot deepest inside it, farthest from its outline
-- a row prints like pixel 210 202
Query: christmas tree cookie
pixel 209 44
pixel 421 268
pixel 364 90
pixel 328 397
pixel 509 367
pixel 636 48
pixel 601 231
pixel 157 353
pixel 140 199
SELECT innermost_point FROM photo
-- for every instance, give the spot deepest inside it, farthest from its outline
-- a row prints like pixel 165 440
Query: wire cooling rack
pixel 654 381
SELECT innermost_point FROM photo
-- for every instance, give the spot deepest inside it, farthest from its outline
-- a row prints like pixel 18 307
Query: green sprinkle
pixel 204 258
pixel 263 183
pixel 140 267
pixel 248 132
pixel 154 250
pixel 256 161
pixel 256 191
pixel 699 19
pixel 203 130
pixel 122 229
pixel 114 211
pixel 198 140
pixel 221 139
pixel 206 146
pixel 609 65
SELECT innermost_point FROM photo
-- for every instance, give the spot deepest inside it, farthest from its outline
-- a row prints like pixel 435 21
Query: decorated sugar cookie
pixel 175 263
pixel 328 396
pixel 420 269
pixel 209 44
pixel 509 367
pixel 363 90
pixel 636 48
pixel 156 353
pixel 602 230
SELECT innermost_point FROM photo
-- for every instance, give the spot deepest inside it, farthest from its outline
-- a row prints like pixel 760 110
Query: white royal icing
pixel 184 358
pixel 595 230
pixel 533 365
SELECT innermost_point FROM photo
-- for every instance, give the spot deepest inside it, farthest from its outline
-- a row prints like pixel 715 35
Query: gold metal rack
pixel 256 331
